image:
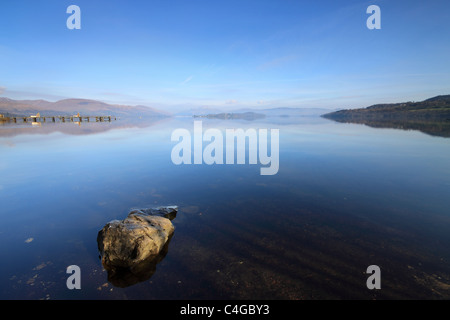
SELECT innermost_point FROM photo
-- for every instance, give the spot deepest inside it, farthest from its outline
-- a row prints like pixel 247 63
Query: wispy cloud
pixel 187 80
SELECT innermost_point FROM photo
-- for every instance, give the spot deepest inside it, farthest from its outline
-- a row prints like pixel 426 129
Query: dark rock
pixel 169 212
pixel 131 248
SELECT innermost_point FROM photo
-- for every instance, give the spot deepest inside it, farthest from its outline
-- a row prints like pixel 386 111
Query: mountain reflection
pixel 432 128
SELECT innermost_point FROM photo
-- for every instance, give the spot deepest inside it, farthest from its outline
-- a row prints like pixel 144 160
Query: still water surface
pixel 346 196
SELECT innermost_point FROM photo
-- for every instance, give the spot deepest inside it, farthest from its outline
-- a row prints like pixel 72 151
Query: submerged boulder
pixel 141 239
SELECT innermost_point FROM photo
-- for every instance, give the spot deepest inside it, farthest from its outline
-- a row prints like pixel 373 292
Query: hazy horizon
pixel 178 109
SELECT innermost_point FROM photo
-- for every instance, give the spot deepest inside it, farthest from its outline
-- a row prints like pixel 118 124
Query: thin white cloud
pixel 187 80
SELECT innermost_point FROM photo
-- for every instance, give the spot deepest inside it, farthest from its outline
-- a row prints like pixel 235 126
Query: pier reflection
pixel 10 128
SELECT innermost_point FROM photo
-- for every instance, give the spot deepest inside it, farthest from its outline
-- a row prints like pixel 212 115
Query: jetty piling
pixel 56 119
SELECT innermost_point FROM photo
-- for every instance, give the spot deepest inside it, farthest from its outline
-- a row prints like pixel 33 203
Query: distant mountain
pixel 85 107
pixel 233 116
pixel 201 111
pixel 431 116
pixel 288 112
pixel 272 112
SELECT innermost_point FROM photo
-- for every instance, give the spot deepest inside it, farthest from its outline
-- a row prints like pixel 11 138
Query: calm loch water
pixel 346 196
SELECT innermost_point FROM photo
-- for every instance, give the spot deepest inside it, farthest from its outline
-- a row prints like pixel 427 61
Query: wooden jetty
pixel 43 119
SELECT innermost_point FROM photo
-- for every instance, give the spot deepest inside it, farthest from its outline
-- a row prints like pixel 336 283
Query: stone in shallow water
pixel 131 248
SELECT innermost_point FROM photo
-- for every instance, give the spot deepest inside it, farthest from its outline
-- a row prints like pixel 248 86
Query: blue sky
pixel 228 54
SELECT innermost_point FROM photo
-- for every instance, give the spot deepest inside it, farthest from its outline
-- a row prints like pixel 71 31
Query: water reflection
pixel 11 129
pixel 346 197
pixel 143 271
pixel 433 128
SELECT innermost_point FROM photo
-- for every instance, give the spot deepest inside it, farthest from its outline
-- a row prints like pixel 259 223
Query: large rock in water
pixel 131 248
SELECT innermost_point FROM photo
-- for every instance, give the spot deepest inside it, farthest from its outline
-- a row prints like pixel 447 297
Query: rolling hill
pixel 431 116
pixel 85 107
pixel 436 108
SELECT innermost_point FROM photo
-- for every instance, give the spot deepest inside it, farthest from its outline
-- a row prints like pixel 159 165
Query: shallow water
pixel 346 196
